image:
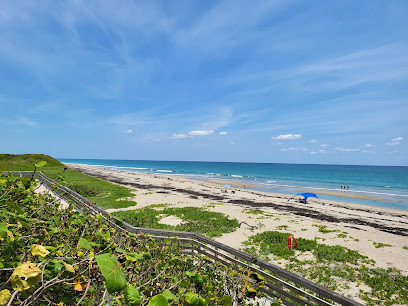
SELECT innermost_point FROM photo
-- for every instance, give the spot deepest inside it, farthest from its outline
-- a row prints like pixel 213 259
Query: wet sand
pixel 347 194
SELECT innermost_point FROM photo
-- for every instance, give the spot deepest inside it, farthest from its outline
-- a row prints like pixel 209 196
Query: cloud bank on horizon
pixel 271 81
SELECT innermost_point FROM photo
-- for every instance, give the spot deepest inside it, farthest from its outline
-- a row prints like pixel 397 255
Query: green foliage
pixel 253 211
pixel 132 296
pixel 380 244
pixel 158 300
pixel 27 162
pixel 170 296
pixel 334 267
pixel 105 194
pixel 52 258
pixel 195 219
pixel 112 271
pixel 323 229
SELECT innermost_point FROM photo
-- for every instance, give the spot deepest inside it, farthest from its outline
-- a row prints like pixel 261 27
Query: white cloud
pixel 369 145
pixel 223 133
pixel 304 150
pixel 200 133
pixel 287 137
pixel 322 151
pixel 287 149
pixel 26 121
pixel 278 143
pixel 129 131
pixel 313 152
pixel 324 145
pixel 347 150
pixel 313 141
pixel 177 136
pixel 395 141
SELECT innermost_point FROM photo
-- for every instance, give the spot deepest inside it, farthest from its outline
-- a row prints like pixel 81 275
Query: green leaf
pixel 119 250
pixel 158 300
pixel 40 164
pixel 5 296
pixel 133 257
pixel 170 296
pixel 15 207
pixel 84 244
pixel 112 271
pixel 3 229
pixel 225 300
pixel 24 180
pixel 132 296
pixel 25 225
pixel 194 299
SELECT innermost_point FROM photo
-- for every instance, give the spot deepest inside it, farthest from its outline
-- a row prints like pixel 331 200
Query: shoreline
pixel 347 194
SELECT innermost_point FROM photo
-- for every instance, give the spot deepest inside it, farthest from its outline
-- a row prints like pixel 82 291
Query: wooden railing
pixel 280 283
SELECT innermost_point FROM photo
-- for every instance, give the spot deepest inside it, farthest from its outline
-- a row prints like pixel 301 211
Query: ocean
pixel 388 182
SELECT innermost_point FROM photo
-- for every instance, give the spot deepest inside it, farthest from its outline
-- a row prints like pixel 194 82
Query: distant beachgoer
pixel 233 192
pixel 244 186
pixel 341 187
pixel 348 187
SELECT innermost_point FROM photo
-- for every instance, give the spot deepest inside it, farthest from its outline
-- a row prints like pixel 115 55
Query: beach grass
pixel 103 193
pixel 211 224
pixel 334 267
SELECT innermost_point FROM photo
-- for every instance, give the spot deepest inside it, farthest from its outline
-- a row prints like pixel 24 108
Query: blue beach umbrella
pixel 226 185
pixel 306 195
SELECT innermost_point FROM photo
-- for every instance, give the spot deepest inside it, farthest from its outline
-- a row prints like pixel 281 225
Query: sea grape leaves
pixel 25 276
pixel 158 300
pixel 194 299
pixel 170 296
pixel 68 267
pixel 132 296
pixel 15 207
pixel 39 250
pixel 225 300
pixel 5 296
pixel 40 164
pixel 3 228
pixel 84 244
pixel 112 271
pixel 25 225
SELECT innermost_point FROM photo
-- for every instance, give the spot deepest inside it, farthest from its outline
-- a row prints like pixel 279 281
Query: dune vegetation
pixel 53 256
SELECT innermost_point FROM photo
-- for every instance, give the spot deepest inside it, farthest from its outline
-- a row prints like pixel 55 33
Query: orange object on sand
pixel 292 242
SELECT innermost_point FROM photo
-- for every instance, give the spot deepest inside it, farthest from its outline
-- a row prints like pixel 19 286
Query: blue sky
pixel 259 81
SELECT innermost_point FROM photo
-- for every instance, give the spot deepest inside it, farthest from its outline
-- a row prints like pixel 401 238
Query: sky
pixel 280 81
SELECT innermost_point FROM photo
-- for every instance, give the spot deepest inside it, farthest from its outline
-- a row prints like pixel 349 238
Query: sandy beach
pixel 363 224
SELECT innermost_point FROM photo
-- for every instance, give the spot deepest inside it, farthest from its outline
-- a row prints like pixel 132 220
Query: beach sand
pixel 363 224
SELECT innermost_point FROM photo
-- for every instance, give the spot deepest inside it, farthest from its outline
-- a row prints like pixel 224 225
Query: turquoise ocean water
pixel 389 182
